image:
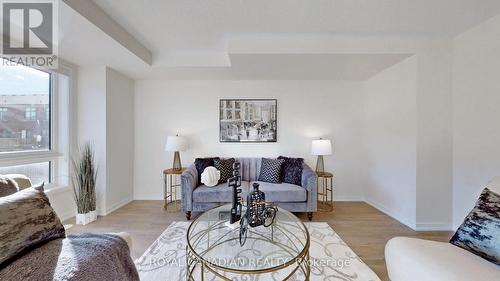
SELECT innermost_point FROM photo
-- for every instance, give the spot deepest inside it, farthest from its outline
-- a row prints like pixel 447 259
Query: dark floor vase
pixel 257 213
pixel 256 206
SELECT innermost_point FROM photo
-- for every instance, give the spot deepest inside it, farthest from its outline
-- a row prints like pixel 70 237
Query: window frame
pixel 57 154
pixel 32 110
pixel 3 113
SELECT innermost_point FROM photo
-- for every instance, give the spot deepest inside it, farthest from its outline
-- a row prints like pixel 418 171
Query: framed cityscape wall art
pixel 248 120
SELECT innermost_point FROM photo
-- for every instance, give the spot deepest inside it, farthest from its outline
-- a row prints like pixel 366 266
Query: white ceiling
pixel 285 67
pixel 176 30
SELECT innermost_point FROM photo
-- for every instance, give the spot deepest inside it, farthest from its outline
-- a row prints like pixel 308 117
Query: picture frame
pixel 248 120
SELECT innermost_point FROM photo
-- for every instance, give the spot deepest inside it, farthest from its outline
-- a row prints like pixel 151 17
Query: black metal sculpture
pixel 257 213
pixel 235 183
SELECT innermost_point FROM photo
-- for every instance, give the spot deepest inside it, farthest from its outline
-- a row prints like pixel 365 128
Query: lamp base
pixel 177 161
pixel 320 166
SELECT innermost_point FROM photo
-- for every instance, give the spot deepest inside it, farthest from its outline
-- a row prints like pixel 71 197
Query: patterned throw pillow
pixel 270 170
pixel 480 231
pixel 225 167
pixel 27 220
pixel 292 170
pixel 202 163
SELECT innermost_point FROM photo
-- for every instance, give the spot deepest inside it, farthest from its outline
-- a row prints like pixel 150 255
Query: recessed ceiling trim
pixel 327 45
pixel 103 21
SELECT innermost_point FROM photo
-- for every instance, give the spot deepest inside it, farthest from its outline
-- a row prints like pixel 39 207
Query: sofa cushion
pixel 225 166
pixel 26 221
pixel 220 193
pixel 270 170
pixel 479 233
pixel 283 192
pixel 202 163
pixel 291 171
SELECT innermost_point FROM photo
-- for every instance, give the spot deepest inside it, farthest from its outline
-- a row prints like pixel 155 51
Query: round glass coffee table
pixel 280 251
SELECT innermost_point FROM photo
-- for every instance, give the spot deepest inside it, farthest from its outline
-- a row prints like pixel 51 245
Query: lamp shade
pixel 176 143
pixel 321 147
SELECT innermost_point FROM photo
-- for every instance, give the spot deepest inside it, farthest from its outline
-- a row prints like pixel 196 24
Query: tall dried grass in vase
pixel 84 184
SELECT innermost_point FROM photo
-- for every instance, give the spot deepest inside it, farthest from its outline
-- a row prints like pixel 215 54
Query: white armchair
pixel 411 259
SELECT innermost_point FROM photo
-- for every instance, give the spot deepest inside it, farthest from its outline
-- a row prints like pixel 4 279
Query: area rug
pixel 331 258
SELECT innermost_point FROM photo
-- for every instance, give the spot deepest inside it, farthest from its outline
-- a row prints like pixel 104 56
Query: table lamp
pixel 176 144
pixel 321 147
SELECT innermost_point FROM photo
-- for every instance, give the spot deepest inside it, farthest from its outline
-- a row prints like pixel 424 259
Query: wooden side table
pixel 170 184
pixel 325 191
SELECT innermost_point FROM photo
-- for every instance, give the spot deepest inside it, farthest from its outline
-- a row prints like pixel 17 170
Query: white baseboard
pixel 348 199
pixel 392 214
pixel 148 198
pixel 114 207
pixel 434 227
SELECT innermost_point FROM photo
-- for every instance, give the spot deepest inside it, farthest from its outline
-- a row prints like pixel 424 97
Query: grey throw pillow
pixel 26 221
pixel 291 171
pixel 270 170
pixel 7 186
pixel 480 231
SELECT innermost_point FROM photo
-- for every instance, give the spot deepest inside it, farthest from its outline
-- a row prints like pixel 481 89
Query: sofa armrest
pixel 310 183
pixel 189 181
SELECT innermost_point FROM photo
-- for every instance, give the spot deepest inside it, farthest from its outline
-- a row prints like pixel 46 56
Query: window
pixel 34 123
pixel 3 113
pixel 5 133
pixel 30 113
pixel 37 172
pixel 22 90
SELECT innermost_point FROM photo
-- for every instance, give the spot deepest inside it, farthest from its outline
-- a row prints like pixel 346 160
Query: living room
pixel 251 140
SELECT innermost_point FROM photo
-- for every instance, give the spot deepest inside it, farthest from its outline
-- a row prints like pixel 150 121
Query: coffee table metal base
pixel 194 265
pixel 277 252
pixel 197 268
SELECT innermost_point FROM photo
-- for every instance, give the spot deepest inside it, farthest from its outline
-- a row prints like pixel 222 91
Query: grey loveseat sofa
pixel 197 197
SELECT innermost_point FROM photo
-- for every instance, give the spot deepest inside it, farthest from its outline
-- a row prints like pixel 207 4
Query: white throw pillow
pixel 210 176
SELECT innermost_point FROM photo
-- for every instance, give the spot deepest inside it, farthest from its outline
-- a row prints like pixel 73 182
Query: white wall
pixel 63 202
pixel 434 137
pixel 119 139
pixel 106 118
pixel 390 141
pixel 92 121
pixel 476 117
pixel 415 126
pixel 306 110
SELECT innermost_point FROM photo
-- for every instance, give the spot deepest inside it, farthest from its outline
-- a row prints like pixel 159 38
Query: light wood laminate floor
pixel 364 228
